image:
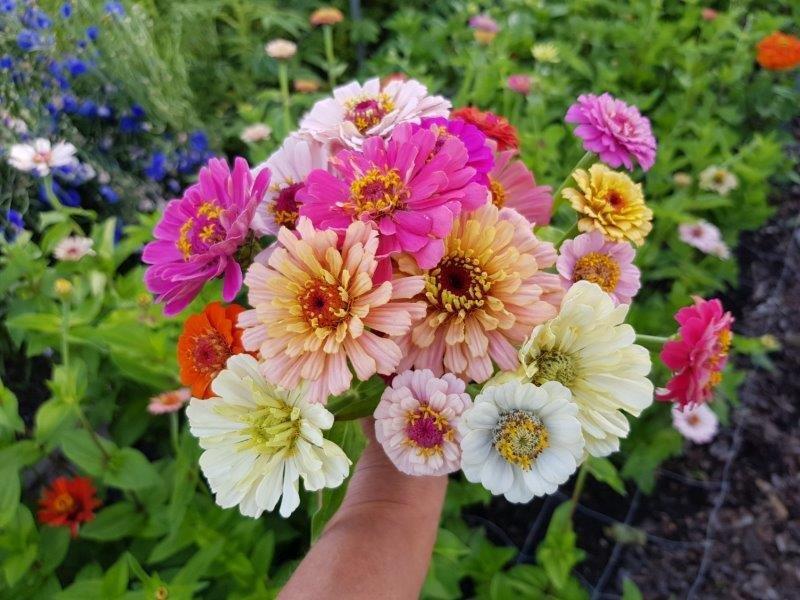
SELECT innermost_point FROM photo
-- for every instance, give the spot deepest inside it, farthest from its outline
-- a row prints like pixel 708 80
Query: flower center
pixel 597 268
pixel 377 193
pixel 520 437
pixel 202 231
pixel 693 419
pixel 365 112
pixel 209 352
pixel 457 284
pixel 427 430
pixel 719 177
pixel 722 347
pixel 623 123
pixel 324 304
pixel 552 365
pixel 498 192
pixel 285 207
pixel 64 503
pixel 272 427
pixel 615 199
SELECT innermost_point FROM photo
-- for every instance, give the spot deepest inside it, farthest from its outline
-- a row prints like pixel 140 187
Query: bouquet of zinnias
pixel 393 239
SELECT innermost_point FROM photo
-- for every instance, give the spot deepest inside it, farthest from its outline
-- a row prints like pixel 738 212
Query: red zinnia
pixel 778 51
pixel 493 126
pixel 698 356
pixel 68 503
pixel 208 340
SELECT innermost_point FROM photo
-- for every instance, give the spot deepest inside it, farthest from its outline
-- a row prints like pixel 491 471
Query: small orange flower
pixel 778 51
pixel 207 341
pixel 327 15
pixel 493 126
pixel 68 503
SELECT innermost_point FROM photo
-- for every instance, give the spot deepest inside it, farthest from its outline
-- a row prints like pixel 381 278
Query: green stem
pixel 579 483
pixel 51 195
pixel 173 432
pixel 584 161
pixel 283 77
pixel 330 57
pixel 651 339
pixel 568 234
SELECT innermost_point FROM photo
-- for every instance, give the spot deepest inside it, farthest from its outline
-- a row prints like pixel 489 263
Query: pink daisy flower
pixel 417 419
pixel 169 401
pixel 520 83
pixel 614 130
pixel 200 233
pixel 316 309
pixel 698 424
pixel 698 356
pixel 289 166
pixel 589 257
pixel 512 185
pixel 407 187
pixel 705 237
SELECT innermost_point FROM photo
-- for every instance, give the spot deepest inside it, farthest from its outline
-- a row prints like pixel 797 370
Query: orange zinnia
pixel 778 51
pixel 207 341
pixel 68 503
pixel 493 126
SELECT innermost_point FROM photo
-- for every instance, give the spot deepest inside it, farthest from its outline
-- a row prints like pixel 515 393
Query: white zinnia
pixel 257 132
pixel 41 156
pixel 718 179
pixel 260 440
pixel 280 49
pixel 587 348
pixel 521 440
pixel 73 248
pixel 356 112
pixel 705 237
pixel 698 424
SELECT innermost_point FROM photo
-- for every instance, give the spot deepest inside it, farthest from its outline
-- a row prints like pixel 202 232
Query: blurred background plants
pixel 148 90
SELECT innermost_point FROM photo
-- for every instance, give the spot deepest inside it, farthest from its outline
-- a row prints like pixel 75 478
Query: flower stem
pixel 568 234
pixel 585 160
pixel 651 339
pixel 283 77
pixel 173 432
pixel 51 195
pixel 579 483
pixel 330 57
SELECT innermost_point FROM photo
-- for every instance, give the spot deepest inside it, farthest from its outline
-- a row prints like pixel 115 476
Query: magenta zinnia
pixel 200 233
pixel 316 309
pixel 512 185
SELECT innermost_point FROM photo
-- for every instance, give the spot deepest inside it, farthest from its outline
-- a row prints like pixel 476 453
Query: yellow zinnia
pixel 610 202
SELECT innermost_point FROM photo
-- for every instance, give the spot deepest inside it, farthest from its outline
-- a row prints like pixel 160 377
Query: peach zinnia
pixel 316 307
pixel 485 295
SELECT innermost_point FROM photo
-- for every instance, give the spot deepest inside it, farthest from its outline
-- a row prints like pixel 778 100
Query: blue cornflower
pixel 88 109
pixel 69 103
pixel 6 62
pixel 75 66
pixel 198 141
pixel 157 169
pixel 36 19
pixel 115 9
pixel 137 111
pixel 107 192
pixel 66 10
pixel 68 196
pixel 7 6
pixel 93 32
pixel 15 224
pixel 28 40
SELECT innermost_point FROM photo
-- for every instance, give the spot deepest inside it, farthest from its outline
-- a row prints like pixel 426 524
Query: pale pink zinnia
pixel 411 187
pixel 357 111
pixel 589 257
pixel 706 237
pixel 316 309
pixel 520 83
pixel 484 296
pixel 512 185
pixel 168 402
pixel 289 166
pixel 698 424
pixel 615 131
pixel 417 419
pixel 199 235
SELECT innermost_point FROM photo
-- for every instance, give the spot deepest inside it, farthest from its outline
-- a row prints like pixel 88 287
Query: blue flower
pixel 88 109
pixel 107 192
pixel 36 19
pixel 137 112
pixel 69 103
pixel 15 224
pixel 6 62
pixel 67 196
pixel 157 169
pixel 92 32
pixel 198 141
pixel 75 66
pixel 7 6
pixel 28 40
pixel 66 10
pixel 104 112
pixel 115 9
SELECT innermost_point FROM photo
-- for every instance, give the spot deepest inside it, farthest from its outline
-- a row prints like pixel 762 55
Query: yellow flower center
pixel 498 192
pixel 201 231
pixel 552 365
pixel 324 304
pixel 459 283
pixel 377 193
pixel 64 503
pixel 520 437
pixel 597 268
pixel 367 111
pixel 427 430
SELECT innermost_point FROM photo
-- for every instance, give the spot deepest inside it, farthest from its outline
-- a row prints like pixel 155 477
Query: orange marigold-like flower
pixel 68 503
pixel 493 126
pixel 327 15
pixel 778 51
pixel 208 340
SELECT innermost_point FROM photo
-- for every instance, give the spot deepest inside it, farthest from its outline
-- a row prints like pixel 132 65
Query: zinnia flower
pixel 289 166
pixel 479 154
pixel 778 51
pixel 484 27
pixel 280 49
pixel 718 179
pixel 512 185
pixel 483 297
pixel 73 248
pixel 416 422
pixel 588 349
pixel 326 15
pixel 199 234
pixel 520 84
pixel 168 402
pixel 698 356
pixel 316 308
pixel 589 257
pixel 546 52
pixel 611 203
pixel 705 237
pixel 493 126
pixel 208 340
pixel 68 503
pixel 259 440
pixel 613 130
pixel 40 156
pixel 521 440
pixel 306 86
pixel 708 13
pixel 257 132
pixel 410 189
pixel 698 424
pixel 358 112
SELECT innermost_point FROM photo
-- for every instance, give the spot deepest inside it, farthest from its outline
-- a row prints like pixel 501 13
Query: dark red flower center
pixel 285 208
pixel 324 304
pixel 210 352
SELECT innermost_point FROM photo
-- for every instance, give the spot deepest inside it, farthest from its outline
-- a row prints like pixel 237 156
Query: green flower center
pixel 552 365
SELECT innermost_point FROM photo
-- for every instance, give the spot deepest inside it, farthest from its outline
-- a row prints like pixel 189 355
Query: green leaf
pixel 645 457
pixel 557 553
pixel 603 470
pixel 197 566
pixel 18 564
pixel 53 546
pixel 630 591
pixel 114 522
pixel 51 418
pixel 129 469
pixel 9 492
pixel 359 401
pixel 79 447
pixel 521 581
pixel 10 421
pixel 115 580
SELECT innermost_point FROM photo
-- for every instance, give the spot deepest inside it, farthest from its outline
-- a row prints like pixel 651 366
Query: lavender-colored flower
pixel 614 130
pixel 484 22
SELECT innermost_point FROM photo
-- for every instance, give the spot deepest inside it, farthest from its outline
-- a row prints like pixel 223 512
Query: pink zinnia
pixel 512 185
pixel 520 83
pixel 698 356
pixel 614 130
pixel 475 141
pixel 168 402
pixel 417 419
pixel 698 424
pixel 484 22
pixel 589 257
pixel 406 186
pixel 706 237
pixel 200 233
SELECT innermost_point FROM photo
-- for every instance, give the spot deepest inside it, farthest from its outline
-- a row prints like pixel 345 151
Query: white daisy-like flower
pixel 290 165
pixel 280 49
pixel 706 237
pixel 73 248
pixel 718 179
pixel 259 440
pixel 257 132
pixel 521 440
pixel 698 424
pixel 359 111
pixel 589 349
pixel 41 156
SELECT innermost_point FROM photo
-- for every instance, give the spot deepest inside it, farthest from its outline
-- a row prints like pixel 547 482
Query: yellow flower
pixel 546 52
pixel 611 203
